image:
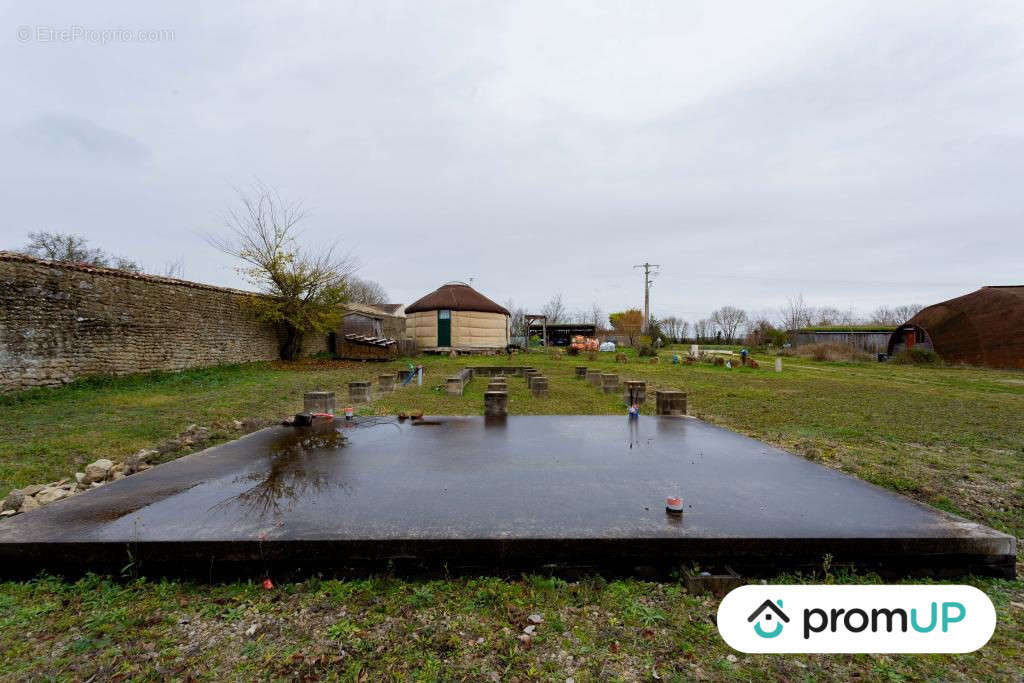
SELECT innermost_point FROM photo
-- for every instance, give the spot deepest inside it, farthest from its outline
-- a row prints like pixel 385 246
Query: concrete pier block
pixel 638 390
pixel 539 387
pixel 594 377
pixel 359 392
pixel 670 402
pixel 403 375
pixel 318 402
pixel 609 382
pixel 386 383
pixel 581 372
pixel 495 403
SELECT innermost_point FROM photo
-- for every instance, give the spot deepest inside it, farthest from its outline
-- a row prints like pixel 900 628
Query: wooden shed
pixel 456 316
pixel 865 338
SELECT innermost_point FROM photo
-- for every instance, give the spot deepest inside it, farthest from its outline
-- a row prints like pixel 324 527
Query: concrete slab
pixel 474 494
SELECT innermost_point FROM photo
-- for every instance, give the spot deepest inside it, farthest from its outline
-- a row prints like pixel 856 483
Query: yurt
pixel 456 316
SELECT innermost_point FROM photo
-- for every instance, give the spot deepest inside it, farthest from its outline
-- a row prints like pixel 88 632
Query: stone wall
pixel 59 322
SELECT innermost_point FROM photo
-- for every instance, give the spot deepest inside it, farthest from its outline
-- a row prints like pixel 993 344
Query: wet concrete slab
pixel 474 494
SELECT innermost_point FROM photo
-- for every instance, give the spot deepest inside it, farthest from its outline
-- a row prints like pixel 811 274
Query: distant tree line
pixel 557 313
pixel 730 324
pixel 725 325
pixel 68 248
pixel 308 285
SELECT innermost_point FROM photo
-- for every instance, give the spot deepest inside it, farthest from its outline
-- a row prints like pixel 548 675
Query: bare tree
pixel 367 292
pixel 306 287
pixel 684 329
pixel 57 246
pixel 796 313
pixel 554 309
pixel 597 317
pixel 883 315
pixel 702 329
pixel 906 312
pixel 175 268
pixel 823 316
pixel 65 247
pixel 891 317
pixel 729 319
pixel 516 319
pixel 590 316
pixel 676 328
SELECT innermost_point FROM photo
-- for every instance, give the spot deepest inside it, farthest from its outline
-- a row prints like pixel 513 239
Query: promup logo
pixel 930 618
pixel 764 614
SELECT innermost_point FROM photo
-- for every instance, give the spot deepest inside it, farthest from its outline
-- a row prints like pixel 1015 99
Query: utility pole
pixel 647 291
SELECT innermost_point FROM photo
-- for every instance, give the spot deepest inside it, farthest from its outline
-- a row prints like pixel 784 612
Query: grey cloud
pixel 62 137
pixel 861 153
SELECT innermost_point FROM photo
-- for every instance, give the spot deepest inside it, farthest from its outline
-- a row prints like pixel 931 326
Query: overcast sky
pixel 861 153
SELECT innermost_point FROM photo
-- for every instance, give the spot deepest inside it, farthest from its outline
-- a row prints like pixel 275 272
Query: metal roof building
pixel 985 327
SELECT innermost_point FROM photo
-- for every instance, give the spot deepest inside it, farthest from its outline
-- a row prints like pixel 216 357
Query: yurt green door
pixel 444 328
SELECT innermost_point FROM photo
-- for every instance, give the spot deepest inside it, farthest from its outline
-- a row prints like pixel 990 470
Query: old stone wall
pixel 59 322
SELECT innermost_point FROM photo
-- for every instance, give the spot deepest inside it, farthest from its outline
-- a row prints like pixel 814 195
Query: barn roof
pixel 391 309
pixel 456 296
pixel 985 327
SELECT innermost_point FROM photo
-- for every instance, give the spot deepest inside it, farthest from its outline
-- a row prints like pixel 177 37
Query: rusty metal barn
pixel 985 327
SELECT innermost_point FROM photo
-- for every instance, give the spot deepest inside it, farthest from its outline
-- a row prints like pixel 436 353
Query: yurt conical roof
pixel 456 296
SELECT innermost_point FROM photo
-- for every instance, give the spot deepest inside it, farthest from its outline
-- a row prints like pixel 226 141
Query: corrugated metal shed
pixel 985 327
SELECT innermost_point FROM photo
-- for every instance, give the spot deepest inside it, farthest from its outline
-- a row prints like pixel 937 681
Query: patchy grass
pixel 947 436
pixel 47 434
pixel 465 629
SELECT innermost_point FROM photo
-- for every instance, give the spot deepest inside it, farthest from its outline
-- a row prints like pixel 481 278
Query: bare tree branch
pixel 306 287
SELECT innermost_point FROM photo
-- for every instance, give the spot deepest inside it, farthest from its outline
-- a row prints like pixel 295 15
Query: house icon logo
pixel 764 615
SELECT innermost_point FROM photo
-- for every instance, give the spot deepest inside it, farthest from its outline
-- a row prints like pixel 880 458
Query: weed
pixel 916 356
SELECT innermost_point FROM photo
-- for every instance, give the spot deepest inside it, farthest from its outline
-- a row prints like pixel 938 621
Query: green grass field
pixel 950 437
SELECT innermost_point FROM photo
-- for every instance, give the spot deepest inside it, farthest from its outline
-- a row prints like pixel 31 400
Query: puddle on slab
pixel 295 470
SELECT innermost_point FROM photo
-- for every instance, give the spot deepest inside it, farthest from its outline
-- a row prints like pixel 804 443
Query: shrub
pixel 646 350
pixel 833 352
pixel 916 356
